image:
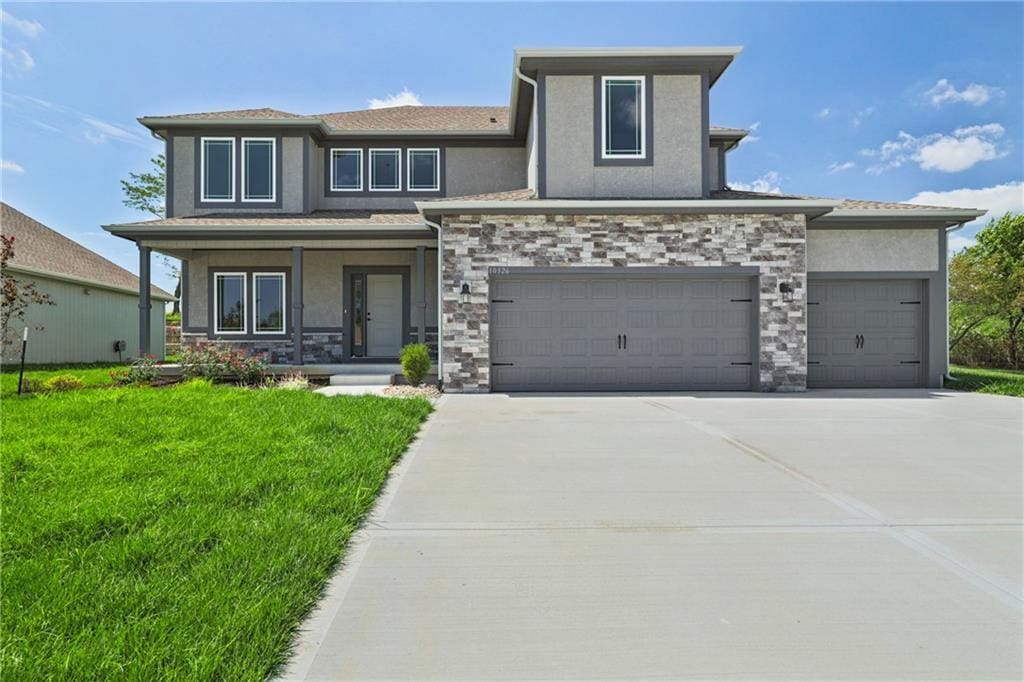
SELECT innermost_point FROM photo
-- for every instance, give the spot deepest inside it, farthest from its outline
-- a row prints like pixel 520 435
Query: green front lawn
pixel 179 533
pixel 999 381
pixel 92 375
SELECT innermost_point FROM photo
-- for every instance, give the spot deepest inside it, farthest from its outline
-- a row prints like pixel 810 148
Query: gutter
pixel 95 284
pixel 810 208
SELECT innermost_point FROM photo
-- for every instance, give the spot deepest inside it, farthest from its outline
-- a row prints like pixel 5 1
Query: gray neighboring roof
pixel 43 251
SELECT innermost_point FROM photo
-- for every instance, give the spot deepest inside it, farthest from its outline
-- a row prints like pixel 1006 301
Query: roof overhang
pixel 896 217
pixel 728 139
pixel 141 231
pixel 713 60
pixel 809 208
pixel 156 293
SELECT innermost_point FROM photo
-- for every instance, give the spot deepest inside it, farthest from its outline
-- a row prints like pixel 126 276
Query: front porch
pixel 314 305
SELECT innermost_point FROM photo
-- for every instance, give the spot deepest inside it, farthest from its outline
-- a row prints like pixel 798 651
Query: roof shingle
pixel 38 247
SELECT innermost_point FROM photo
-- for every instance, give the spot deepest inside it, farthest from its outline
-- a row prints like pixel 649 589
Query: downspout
pixel 947 376
pixel 440 301
pixel 531 153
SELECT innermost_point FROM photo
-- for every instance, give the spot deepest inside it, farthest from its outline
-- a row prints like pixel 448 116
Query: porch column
pixel 421 271
pixel 144 303
pixel 297 304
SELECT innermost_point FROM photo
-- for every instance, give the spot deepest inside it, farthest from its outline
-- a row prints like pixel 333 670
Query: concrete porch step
pixel 350 379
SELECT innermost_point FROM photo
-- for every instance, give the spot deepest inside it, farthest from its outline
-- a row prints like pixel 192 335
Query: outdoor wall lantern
pixel 464 294
pixel 786 289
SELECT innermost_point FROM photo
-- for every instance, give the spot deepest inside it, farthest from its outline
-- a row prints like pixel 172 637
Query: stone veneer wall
pixel 774 243
pixel 322 348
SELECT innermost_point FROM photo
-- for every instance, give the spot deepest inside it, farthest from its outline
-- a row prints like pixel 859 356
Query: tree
pixel 147 192
pixel 17 297
pixel 987 283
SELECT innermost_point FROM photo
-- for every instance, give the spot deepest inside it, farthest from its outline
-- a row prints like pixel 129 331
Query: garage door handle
pixel 910 303
pixel 619 343
pixel 625 341
pixel 502 364
pixel 741 300
pixel 747 364
pixel 910 362
pixel 502 300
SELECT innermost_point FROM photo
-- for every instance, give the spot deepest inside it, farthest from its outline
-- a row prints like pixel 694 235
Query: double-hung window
pixel 346 170
pixel 424 170
pixel 259 166
pixel 385 170
pixel 268 302
pixel 217 169
pixel 229 312
pixel 623 117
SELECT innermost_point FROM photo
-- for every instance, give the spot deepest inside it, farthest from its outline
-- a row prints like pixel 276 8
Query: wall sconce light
pixel 786 289
pixel 464 294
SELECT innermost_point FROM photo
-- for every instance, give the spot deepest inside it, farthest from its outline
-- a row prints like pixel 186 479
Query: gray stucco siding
pixel 83 324
pixel 570 136
pixel 184 171
pixel 322 280
pixel 869 250
pixel 479 170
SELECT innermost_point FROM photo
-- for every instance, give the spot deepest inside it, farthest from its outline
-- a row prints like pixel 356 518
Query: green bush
pixel 210 361
pixel 415 363
pixel 142 371
pixel 63 382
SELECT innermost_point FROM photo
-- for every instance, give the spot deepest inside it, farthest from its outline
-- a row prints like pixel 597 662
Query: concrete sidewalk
pixel 829 535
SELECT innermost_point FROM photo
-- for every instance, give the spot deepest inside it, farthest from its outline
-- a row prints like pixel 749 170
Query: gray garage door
pixel 865 333
pixel 621 331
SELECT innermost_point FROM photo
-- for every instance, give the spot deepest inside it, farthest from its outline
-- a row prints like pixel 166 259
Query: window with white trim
pixel 259 169
pixel 424 170
pixel 268 302
pixel 346 170
pixel 217 169
pixel 623 117
pixel 385 170
pixel 229 303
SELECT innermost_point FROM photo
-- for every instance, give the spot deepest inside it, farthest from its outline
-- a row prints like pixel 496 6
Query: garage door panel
pixel 563 333
pixel 874 335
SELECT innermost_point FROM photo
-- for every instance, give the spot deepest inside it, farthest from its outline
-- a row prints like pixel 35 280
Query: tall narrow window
pixel 229 303
pixel 623 117
pixel 218 169
pixel 258 168
pixel 385 170
pixel 268 303
pixel 346 170
pixel 424 170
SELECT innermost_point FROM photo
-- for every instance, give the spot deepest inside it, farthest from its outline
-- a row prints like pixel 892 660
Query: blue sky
pixel 876 101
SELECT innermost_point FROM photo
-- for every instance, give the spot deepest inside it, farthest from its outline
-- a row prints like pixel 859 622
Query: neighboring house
pixel 96 303
pixel 587 234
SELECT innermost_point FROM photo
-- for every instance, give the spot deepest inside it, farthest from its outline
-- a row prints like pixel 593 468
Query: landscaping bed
pixel 180 532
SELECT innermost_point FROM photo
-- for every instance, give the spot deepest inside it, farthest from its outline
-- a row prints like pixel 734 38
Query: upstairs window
pixel 229 303
pixel 268 302
pixel 346 170
pixel 424 170
pixel 259 165
pixel 385 170
pixel 217 168
pixel 623 118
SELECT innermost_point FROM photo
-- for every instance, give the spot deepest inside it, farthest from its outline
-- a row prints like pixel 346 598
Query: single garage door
pixel 621 331
pixel 865 333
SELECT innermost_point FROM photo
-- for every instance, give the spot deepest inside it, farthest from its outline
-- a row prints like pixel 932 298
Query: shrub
pixel 415 363
pixel 293 382
pixel 31 385
pixel 142 371
pixel 63 382
pixel 213 362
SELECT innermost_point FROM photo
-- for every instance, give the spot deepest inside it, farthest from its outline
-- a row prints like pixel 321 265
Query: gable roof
pixel 41 250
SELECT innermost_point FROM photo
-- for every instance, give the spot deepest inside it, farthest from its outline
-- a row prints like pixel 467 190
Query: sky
pixel 899 102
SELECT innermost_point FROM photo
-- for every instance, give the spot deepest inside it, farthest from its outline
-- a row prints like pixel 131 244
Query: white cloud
pixel 944 92
pixel 405 98
pixel 19 58
pixel 11 166
pixel 859 117
pixel 750 135
pixel 824 113
pixel 834 168
pixel 998 199
pixel 75 122
pixel 949 153
pixel 768 182
pixel 102 130
pixel 28 27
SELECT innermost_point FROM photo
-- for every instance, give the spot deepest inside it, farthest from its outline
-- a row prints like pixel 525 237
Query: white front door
pixel 383 316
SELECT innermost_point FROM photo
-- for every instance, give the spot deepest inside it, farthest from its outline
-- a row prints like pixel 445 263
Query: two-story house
pixel 582 238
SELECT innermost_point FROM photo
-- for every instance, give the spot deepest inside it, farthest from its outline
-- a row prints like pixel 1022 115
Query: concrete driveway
pixel 850 534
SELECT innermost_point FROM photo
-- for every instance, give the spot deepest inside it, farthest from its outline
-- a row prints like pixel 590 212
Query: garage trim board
pixel 623 328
